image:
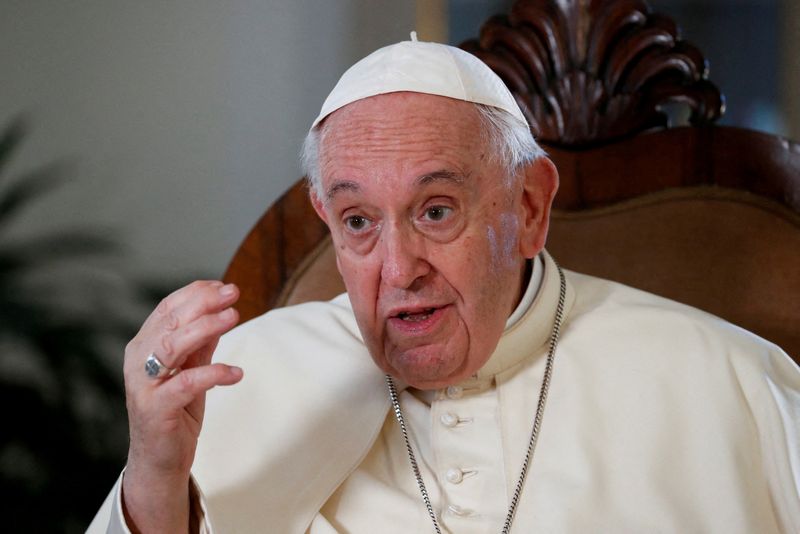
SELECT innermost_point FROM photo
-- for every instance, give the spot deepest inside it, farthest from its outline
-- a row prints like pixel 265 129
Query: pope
pixel 464 383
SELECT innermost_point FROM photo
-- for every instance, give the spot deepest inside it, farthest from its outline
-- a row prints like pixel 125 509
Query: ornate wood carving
pixel 589 71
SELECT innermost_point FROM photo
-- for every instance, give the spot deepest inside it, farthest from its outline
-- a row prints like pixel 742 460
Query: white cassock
pixel 660 418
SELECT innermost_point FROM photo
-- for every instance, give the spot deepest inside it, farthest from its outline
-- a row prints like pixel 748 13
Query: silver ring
pixel 155 369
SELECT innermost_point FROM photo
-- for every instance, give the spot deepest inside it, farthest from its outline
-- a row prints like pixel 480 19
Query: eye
pixel 356 223
pixel 437 213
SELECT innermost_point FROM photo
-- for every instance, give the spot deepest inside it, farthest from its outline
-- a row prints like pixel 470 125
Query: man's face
pixel 427 230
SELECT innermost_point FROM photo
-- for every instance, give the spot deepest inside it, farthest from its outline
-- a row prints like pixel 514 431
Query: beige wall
pixel 183 118
pixel 431 19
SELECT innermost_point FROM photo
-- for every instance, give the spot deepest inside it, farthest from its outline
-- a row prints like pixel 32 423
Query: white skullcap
pixel 429 68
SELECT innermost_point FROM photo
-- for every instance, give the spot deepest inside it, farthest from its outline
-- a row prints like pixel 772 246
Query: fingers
pixel 183 388
pixel 185 321
pixel 190 302
pixel 177 345
pixel 186 294
pixel 207 299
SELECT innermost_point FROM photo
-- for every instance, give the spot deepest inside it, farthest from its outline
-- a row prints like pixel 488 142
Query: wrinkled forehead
pixel 406 125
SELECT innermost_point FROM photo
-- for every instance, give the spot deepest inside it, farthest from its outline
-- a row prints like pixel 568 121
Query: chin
pixel 426 369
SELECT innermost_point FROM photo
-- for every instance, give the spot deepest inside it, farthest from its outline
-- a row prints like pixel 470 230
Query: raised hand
pixel 165 412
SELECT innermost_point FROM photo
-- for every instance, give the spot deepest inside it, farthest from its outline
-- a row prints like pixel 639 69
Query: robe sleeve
pixel 111 520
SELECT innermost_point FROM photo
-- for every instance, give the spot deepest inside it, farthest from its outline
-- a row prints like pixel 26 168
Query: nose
pixel 404 257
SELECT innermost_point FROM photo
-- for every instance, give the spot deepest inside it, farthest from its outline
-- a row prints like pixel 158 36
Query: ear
pixel 319 206
pixel 539 186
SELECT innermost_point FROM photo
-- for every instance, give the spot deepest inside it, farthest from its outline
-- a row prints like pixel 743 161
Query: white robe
pixel 660 418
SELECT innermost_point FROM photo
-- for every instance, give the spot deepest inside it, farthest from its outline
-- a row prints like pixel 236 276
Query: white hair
pixel 511 142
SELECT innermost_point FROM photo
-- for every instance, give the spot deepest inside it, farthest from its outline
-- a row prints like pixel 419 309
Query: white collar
pixel 529 334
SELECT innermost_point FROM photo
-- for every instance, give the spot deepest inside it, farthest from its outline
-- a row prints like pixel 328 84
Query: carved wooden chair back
pixel 702 214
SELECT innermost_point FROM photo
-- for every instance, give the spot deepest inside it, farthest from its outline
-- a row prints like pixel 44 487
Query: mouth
pixel 418 320
pixel 415 316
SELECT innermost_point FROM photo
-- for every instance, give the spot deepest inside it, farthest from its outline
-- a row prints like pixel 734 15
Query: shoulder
pixel 647 326
pixel 305 354
pixel 657 372
pixel 670 358
pixel 301 328
pixel 599 300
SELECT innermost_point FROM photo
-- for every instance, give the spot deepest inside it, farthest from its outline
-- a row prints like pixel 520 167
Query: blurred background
pixel 140 142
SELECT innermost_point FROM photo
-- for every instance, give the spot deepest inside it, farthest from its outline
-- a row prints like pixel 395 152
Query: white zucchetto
pixel 420 67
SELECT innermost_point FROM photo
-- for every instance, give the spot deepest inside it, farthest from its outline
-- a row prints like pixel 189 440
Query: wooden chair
pixel 702 214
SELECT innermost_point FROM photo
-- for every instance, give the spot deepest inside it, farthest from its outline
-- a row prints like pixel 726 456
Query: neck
pixel 522 283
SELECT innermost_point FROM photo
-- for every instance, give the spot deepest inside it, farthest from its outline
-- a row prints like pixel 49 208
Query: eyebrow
pixel 339 186
pixel 440 176
pixel 432 177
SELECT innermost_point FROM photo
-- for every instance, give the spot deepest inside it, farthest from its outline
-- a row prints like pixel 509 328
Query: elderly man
pixel 501 394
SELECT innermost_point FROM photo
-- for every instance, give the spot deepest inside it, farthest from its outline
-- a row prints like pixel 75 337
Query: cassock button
pixel 454 392
pixel 449 419
pixel 454 476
